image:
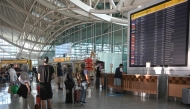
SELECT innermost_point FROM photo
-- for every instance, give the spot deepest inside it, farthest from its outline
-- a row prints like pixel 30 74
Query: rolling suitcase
pixel 77 94
pixel 186 96
pixel 69 91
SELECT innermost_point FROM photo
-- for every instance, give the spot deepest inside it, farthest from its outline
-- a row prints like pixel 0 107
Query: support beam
pixel 53 36
pixel 31 41
pixel 105 17
pixel 96 4
pixel 110 11
pixel 5 39
pixel 113 4
pixel 24 11
pixel 66 13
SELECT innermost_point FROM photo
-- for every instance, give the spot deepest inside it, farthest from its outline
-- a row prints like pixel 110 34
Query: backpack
pixel 80 76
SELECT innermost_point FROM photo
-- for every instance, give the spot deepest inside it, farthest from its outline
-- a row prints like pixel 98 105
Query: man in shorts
pixel 117 78
pixel 59 75
pixel 45 75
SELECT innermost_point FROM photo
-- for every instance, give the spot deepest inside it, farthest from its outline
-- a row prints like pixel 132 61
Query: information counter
pixel 147 84
pixel 175 86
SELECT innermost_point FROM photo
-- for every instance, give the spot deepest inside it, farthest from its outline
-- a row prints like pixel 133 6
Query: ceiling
pixel 31 25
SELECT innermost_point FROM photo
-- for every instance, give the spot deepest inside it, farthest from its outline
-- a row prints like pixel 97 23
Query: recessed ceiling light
pixel 139 6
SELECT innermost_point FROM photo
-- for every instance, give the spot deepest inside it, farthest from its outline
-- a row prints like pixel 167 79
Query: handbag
pixel 89 90
pixel 14 89
pixel 9 90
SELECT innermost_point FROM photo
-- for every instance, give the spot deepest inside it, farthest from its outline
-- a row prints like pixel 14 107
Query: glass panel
pixel 118 37
pixel 107 6
pixel 100 6
pixel 89 32
pixel 89 46
pixel 73 37
pixel 116 27
pixel 105 28
pixel 110 40
pixel 83 25
pixel 76 36
pixel 105 42
pixel 125 50
pixel 98 29
pixel 88 24
pixel 118 41
pixel 125 67
pixel 83 33
pixel 77 28
pixel 117 15
pixel 99 44
pixel 125 36
pixel 117 49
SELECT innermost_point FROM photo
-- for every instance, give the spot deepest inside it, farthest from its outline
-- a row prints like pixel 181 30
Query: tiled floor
pixel 99 100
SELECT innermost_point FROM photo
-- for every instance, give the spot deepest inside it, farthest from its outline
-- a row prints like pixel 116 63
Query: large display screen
pixel 159 34
pixel 63 49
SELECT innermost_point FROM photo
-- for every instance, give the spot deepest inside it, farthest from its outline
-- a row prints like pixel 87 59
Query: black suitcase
pixel 69 94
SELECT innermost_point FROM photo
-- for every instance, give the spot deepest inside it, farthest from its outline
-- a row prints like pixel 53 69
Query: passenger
pixel 117 78
pixel 13 75
pixel 59 75
pixel 45 75
pixel 69 69
pixel 25 89
pixel 84 83
pixel 98 71
pixel 69 83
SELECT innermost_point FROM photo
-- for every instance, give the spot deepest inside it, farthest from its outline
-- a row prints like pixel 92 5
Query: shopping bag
pixel 89 90
pixel 14 89
pixel 9 90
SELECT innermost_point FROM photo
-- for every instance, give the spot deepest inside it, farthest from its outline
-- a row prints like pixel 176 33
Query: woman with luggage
pixel 84 83
pixel 25 88
pixel 69 83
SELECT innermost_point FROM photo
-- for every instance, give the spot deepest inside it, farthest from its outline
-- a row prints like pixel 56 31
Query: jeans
pixel 84 87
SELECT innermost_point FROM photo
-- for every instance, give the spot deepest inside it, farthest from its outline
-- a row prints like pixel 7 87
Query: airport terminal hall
pixel 94 54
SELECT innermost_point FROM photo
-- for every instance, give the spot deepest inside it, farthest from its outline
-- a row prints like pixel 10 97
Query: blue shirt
pixel 59 71
pixel 85 72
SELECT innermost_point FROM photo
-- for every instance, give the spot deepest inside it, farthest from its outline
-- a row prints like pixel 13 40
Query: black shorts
pixel 45 91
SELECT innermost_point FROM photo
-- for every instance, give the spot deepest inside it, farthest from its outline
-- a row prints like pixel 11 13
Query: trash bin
pixel 186 96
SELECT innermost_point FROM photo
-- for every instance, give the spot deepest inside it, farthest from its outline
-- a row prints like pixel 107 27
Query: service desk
pixel 175 86
pixel 103 78
pixel 148 84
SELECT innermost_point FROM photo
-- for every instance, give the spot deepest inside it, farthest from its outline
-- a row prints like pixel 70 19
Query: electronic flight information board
pixel 159 34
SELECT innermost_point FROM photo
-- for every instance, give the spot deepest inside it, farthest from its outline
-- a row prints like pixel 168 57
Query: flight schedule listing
pixel 159 35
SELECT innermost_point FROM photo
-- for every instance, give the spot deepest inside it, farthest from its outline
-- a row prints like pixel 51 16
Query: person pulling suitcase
pixel 84 83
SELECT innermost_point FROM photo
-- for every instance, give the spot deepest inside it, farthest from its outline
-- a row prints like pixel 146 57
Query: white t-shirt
pixel 23 81
pixel 13 75
pixel 121 70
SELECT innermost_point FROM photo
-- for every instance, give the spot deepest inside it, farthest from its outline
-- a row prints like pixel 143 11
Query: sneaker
pixel 83 103
pixel 80 102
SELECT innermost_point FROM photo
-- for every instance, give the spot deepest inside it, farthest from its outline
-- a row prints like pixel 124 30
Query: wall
pixel 157 70
pixel 98 36
pixel 109 58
